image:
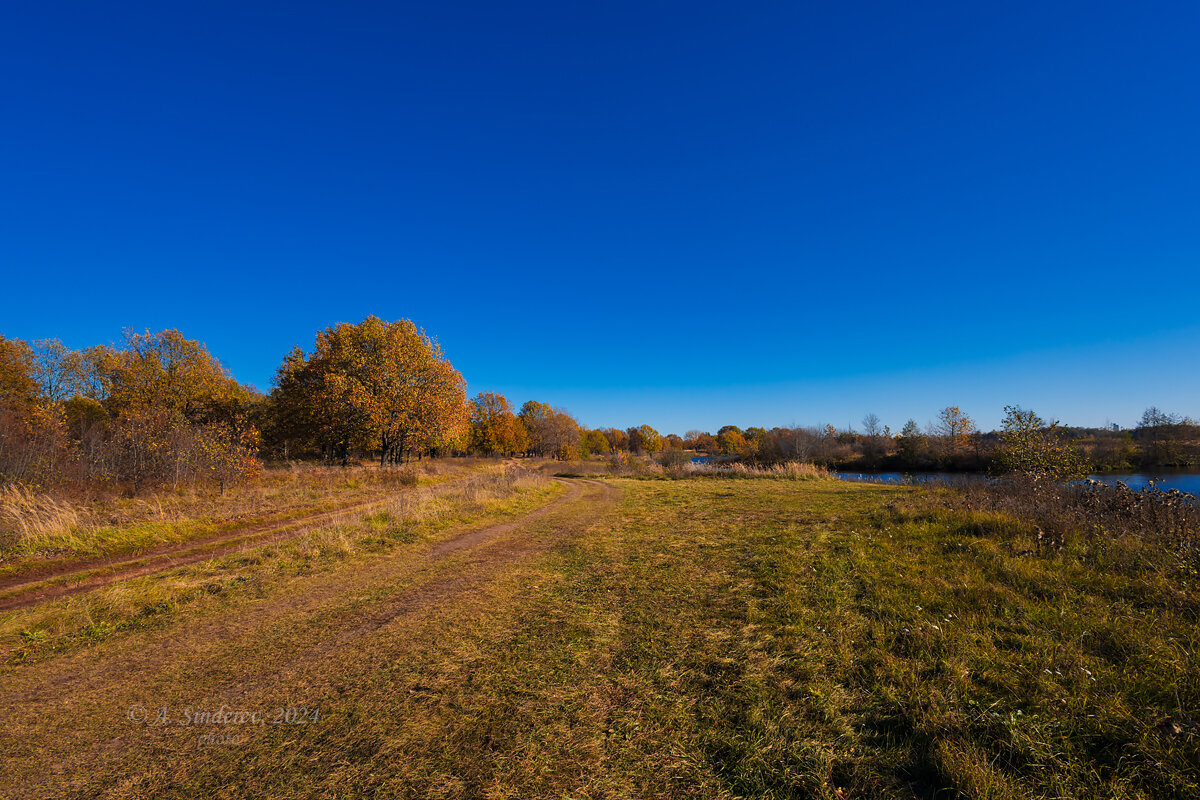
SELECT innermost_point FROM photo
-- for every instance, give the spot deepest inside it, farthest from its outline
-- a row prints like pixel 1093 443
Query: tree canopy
pixel 384 384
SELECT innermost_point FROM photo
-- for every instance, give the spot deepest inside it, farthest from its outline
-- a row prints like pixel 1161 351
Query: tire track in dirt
pixel 492 553
pixel 72 709
pixel 31 588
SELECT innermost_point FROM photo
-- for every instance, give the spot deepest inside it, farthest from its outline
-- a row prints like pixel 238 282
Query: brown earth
pixel 68 729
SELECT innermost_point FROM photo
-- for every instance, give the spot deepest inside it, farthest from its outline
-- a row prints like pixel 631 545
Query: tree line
pixel 953 442
pixel 157 409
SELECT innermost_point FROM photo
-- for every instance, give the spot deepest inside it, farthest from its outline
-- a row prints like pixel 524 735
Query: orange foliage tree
pixel 377 384
pixel 159 409
pixel 495 429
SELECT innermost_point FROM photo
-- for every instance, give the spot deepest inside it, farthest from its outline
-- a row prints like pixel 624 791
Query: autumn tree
pixel 954 429
pixel 419 399
pixel 618 440
pixel 732 443
pixel 562 435
pixel 444 421
pixel 495 429
pixel 177 412
pixel 57 370
pixel 953 425
pixel 293 422
pixel 594 442
pixel 94 366
pixel 644 439
pixel 1030 446
pixel 651 440
pixel 83 415
pixel 166 371
pixel 18 384
pixel 27 435
pixel 323 397
pixel 158 409
pixel 537 419
pixel 375 385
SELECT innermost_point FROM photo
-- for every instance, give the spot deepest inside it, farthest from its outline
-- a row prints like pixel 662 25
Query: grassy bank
pixel 704 637
pixel 773 639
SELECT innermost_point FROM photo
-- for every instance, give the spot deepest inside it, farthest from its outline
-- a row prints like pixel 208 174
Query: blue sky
pixel 686 214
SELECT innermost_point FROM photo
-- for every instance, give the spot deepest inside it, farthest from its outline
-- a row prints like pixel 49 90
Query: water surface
pixel 1183 481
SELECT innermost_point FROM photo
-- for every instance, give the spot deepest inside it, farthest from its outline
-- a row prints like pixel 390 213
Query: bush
pixel 407 477
pixel 1095 517
pixel 673 458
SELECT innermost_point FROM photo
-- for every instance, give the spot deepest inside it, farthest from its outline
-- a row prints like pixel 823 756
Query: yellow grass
pixel 27 516
pixel 36 524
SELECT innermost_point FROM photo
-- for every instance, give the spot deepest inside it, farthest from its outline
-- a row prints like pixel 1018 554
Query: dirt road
pixel 84 723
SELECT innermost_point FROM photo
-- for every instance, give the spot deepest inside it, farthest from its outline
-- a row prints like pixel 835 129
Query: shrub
pixel 673 458
pixel 1101 520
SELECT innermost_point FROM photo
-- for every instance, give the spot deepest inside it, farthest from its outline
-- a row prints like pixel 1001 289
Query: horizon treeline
pixel 953 443
pixel 157 409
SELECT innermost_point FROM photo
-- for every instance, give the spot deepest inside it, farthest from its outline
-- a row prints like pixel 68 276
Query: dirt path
pixel 292 647
pixel 82 575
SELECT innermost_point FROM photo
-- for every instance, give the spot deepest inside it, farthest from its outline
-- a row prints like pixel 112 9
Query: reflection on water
pixel 1183 481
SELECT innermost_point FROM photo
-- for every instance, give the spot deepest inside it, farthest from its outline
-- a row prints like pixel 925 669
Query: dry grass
pixel 711 637
pixel 404 519
pixel 791 470
pixel 27 517
pixel 1114 528
pixel 39 526
pixel 626 465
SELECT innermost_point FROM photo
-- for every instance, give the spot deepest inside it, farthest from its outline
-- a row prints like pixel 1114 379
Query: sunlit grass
pixel 35 526
pixel 402 520
pixel 708 637
pixel 773 639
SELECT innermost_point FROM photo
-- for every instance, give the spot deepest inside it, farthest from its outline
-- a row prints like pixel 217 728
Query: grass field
pixel 36 528
pixel 704 637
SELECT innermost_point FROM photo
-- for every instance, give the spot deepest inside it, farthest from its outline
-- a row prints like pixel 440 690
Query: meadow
pixel 551 633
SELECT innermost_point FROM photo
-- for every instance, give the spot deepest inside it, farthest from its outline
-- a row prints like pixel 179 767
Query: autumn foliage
pixel 155 410
pixel 375 386
pixel 158 410
pixel 495 429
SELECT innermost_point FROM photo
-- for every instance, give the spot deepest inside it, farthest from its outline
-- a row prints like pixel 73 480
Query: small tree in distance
pixel 644 439
pixel 1029 446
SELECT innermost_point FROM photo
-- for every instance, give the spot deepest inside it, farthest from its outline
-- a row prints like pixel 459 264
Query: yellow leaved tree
pixel 374 385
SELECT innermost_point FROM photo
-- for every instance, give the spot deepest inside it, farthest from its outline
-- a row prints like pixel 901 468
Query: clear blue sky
pixel 686 214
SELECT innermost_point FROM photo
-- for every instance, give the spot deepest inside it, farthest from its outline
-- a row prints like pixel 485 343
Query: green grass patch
pixel 774 639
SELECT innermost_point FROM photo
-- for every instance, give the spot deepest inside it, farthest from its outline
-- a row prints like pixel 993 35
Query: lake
pixel 1183 481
